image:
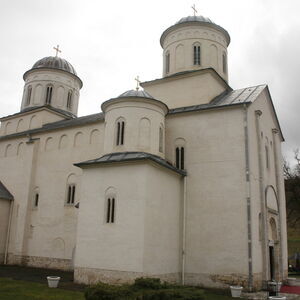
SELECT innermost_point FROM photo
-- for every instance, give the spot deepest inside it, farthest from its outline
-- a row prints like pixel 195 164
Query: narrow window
pixel 179 158
pixel 69 100
pixel 161 136
pixel 224 63
pixel 36 200
pixel 28 97
pixel 196 55
pixel 110 210
pixel 120 133
pixel 48 95
pixel 167 63
pixel 71 194
pixel 267 157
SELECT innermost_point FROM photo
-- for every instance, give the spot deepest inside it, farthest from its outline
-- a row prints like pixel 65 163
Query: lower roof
pixel 4 193
pixel 118 157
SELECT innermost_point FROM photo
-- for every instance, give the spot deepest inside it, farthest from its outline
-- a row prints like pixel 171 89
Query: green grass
pixel 24 290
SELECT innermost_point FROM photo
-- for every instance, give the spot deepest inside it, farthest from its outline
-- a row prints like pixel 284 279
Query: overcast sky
pixel 111 42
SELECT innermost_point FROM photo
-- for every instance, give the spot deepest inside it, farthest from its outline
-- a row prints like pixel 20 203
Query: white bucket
pixel 53 281
pixel 236 291
pixel 291 281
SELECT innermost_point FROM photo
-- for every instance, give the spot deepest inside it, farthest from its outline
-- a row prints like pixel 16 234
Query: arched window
pixel 120 133
pixel 180 158
pixel 167 63
pixel 71 189
pixel 48 95
pixel 197 55
pixel 69 100
pixel 110 210
pixel 224 63
pixel 28 96
pixel 180 153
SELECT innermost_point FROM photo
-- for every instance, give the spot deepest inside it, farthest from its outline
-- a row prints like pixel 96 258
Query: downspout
pixel 183 232
pixel 8 231
pixel 278 190
pixel 258 113
pixel 248 200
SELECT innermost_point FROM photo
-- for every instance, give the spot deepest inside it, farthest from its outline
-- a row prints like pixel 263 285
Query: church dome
pixel 194 20
pixel 54 62
pixel 135 93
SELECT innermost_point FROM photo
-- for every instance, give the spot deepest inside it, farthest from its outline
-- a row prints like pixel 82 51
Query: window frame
pixel 110 213
pixel 49 94
pixel 120 132
pixel 71 194
pixel 28 95
pixel 70 99
pixel 197 54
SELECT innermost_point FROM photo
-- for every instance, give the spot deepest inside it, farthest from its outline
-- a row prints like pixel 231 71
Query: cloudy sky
pixel 111 42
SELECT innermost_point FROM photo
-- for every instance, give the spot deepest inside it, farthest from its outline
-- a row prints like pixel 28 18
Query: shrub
pixel 102 291
pixel 148 283
pixel 177 293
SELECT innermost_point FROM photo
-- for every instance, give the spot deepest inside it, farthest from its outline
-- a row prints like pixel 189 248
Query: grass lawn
pixel 25 290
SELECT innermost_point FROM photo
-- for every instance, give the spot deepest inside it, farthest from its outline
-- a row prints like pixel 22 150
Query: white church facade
pixel 181 180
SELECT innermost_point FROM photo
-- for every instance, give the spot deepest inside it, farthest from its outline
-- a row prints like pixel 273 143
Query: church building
pixel 179 179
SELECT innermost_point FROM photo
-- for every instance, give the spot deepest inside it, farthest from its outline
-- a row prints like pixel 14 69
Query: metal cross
pixel 194 9
pixel 137 79
pixel 57 50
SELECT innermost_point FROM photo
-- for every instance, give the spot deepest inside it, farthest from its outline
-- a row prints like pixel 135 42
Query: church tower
pixel 52 82
pixel 195 43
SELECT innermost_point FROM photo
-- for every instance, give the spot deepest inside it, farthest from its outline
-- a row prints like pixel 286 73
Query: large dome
pixel 193 20
pixel 54 62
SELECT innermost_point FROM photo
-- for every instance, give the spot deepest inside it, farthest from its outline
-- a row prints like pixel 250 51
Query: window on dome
pixel 28 96
pixel 197 59
pixel 48 95
pixel 120 133
pixel 161 139
pixel 167 63
pixel 69 100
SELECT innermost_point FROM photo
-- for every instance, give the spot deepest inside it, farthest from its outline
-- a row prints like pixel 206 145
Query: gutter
pixel 248 199
pixel 183 232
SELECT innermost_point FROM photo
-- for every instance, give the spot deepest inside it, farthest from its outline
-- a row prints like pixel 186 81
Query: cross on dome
pixel 137 79
pixel 194 9
pixel 57 50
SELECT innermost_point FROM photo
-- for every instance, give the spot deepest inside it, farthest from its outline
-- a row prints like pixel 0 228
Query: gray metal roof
pixel 129 156
pixel 226 99
pixel 4 193
pixel 135 93
pixel 28 109
pixel 59 124
pixel 195 20
pixel 54 62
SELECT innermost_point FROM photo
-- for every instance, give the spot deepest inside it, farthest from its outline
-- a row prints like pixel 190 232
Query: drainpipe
pixel 278 190
pixel 248 200
pixel 183 232
pixel 264 241
pixel 8 231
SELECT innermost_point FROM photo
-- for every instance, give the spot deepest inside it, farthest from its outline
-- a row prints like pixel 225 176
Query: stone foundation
pixel 222 281
pixel 92 276
pixel 40 262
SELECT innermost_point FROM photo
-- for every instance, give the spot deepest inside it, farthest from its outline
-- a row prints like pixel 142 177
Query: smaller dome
pixel 135 93
pixel 194 19
pixel 54 62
